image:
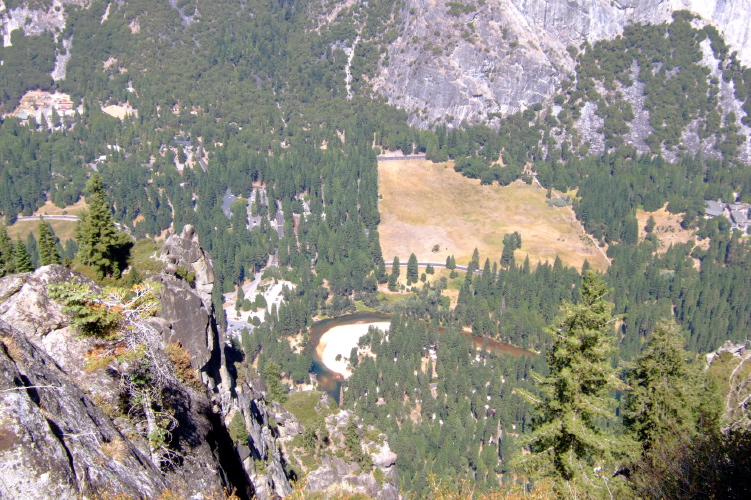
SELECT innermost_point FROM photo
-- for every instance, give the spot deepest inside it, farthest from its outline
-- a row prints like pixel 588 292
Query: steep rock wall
pixel 507 56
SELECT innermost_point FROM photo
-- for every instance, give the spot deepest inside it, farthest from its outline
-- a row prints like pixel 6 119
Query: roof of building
pixel 714 208
pixel 739 216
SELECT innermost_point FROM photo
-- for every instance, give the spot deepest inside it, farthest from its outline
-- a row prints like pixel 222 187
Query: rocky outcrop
pixel 262 458
pixel 25 304
pixel 186 319
pixel 337 472
pixel 91 412
pixel 67 429
pixel 184 251
pixel 187 313
pixel 54 441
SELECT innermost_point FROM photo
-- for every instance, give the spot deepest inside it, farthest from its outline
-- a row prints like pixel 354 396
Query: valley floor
pixel 426 204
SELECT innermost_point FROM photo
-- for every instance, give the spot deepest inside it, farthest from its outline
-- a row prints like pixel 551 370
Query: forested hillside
pixel 258 123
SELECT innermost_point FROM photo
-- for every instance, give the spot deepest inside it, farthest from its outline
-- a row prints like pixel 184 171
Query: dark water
pixel 332 382
pixel 329 381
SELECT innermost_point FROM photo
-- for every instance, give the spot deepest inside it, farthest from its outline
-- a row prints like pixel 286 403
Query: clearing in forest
pixel 667 228
pixel 425 204
pixel 64 229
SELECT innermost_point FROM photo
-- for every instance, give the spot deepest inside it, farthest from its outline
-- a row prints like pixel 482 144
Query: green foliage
pixel 456 9
pixel 22 259
pixel 100 244
pixel 568 437
pixel 272 376
pixel 665 397
pixel 303 404
pixel 353 441
pixel 7 255
pixel 47 244
pixel 104 313
pixel 185 275
pixel 650 226
pixel 412 271
pixel 237 430
pixel 394 276
pixel 511 242
pixel 27 64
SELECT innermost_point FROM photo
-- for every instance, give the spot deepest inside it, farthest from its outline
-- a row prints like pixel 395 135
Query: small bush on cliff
pixel 108 313
pixel 237 430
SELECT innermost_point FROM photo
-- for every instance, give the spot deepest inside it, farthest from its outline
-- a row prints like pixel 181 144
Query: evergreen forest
pixel 249 99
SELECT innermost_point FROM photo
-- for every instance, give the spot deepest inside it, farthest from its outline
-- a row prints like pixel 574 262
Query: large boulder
pixel 184 318
pixel 184 250
pixel 384 457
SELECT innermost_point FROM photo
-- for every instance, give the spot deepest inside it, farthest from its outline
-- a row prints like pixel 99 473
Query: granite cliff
pixel 461 63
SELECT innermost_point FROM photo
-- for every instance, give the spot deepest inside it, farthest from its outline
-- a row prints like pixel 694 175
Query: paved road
pixel 50 217
pixel 279 220
pixel 72 218
pixel 400 158
pixel 404 263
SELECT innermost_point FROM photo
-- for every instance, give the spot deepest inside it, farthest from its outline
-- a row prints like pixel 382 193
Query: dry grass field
pixel 50 208
pixel 64 229
pixel 668 228
pixel 425 204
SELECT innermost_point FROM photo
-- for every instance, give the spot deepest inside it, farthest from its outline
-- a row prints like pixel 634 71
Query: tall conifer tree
pixel 412 271
pixel 7 257
pixel 96 233
pixel 664 396
pixel 47 244
pixel 23 260
pixel 568 441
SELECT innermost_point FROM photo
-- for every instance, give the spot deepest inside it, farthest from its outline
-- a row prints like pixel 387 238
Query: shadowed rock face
pixel 184 318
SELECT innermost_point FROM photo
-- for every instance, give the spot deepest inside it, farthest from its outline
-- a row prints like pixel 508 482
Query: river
pixel 331 382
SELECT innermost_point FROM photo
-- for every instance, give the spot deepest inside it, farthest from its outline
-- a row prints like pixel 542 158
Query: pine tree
pixel 96 233
pixel 412 271
pixel 47 244
pixel 674 411
pixel 394 276
pixel 7 257
pixel 511 242
pixel 272 377
pixel 22 258
pixel 650 226
pixel 567 441
pixel 395 267
pixel 32 250
pixel 663 401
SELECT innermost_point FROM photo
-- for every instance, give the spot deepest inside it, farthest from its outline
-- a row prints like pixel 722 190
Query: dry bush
pixel 461 489
pixel 115 449
pixel 180 358
pixel 105 404
pixel 11 347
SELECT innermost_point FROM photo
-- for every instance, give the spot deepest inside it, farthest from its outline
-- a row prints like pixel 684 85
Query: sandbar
pixel 341 340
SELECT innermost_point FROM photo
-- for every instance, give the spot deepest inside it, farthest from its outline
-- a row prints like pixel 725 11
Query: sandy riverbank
pixel 339 341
